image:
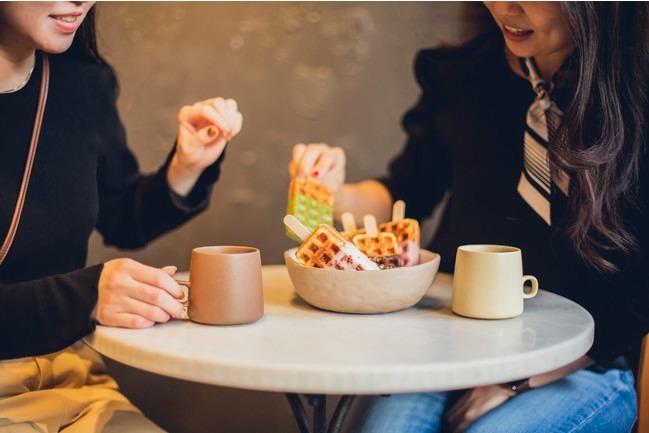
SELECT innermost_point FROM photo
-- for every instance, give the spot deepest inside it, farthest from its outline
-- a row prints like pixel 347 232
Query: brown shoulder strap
pixel 45 82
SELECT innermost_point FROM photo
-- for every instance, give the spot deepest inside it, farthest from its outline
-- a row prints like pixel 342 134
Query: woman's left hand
pixel 475 403
pixel 204 129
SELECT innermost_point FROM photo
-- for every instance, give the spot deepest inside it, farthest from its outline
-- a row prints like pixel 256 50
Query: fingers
pixel 127 288
pixel 133 321
pixel 149 276
pixel 298 151
pixel 155 304
pixel 170 270
pixel 331 161
pixel 218 112
pixel 201 138
pixel 305 158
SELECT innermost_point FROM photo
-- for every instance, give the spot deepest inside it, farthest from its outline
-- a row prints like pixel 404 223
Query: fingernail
pixel 169 268
pixel 212 132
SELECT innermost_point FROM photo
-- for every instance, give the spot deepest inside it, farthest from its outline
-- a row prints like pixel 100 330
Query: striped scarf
pixel 537 184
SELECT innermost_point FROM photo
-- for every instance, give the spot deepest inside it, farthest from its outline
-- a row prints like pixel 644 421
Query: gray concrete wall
pixel 339 73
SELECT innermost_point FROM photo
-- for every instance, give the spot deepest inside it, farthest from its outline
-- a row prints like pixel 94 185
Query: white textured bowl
pixel 367 292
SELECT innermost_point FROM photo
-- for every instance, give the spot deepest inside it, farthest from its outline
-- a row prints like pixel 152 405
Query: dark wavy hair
pixel 602 135
pixel 601 138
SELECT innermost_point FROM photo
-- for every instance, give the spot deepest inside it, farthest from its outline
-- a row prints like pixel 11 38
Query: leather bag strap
pixel 42 99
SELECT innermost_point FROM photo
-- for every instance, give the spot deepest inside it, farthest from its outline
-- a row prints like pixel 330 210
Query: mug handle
pixel 535 286
pixel 184 301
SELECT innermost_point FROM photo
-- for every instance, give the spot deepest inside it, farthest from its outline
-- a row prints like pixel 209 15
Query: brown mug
pixel 225 285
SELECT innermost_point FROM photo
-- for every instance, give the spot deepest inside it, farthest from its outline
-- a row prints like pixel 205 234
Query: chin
pixel 57 45
pixel 519 51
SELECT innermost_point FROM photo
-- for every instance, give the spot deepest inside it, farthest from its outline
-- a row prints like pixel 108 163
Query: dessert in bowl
pixel 364 292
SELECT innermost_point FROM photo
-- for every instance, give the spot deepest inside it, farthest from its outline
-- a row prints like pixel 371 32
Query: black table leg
pixel 319 403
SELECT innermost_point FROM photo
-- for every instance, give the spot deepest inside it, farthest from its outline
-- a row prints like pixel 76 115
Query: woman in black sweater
pixel 84 177
pixel 587 239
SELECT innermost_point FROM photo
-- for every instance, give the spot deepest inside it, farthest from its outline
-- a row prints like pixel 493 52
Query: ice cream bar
pixel 406 231
pixel 326 248
pixel 374 243
pixel 311 203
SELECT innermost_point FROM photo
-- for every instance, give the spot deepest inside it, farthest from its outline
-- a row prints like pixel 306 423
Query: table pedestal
pixel 319 403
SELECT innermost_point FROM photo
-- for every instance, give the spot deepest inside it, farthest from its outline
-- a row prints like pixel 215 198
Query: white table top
pixel 297 348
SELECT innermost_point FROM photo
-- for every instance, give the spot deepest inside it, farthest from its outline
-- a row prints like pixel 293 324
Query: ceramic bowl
pixel 366 292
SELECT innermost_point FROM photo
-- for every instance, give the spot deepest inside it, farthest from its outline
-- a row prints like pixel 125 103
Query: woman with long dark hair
pixel 66 170
pixel 537 131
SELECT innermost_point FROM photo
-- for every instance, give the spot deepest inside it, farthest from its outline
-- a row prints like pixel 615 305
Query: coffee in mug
pixel 488 282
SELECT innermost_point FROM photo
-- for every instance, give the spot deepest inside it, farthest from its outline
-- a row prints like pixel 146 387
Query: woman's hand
pixel 321 162
pixel 133 295
pixel 203 131
pixel 475 403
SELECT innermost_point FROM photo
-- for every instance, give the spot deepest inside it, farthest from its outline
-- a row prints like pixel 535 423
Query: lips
pixel 516 34
pixel 67 23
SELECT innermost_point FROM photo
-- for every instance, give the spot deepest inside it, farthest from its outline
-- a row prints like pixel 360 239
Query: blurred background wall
pixel 339 73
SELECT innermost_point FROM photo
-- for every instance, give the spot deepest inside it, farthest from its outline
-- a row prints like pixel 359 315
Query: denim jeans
pixel 584 402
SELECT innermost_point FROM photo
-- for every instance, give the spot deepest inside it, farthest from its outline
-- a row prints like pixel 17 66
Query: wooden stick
pixel 398 211
pixel 349 223
pixel 370 225
pixel 292 223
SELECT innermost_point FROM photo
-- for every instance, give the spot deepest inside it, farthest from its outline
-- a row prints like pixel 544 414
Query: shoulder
pixel 460 65
pixel 95 78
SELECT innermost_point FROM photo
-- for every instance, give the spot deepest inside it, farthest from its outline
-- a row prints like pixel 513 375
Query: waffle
pixel 404 230
pixel 311 189
pixel 350 236
pixel 383 244
pixel 319 250
pixel 311 203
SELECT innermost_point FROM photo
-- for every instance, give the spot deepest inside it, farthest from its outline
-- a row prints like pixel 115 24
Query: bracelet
pixel 520 386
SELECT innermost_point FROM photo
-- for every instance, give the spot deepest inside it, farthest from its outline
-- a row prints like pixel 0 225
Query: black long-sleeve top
pixel 84 177
pixel 465 135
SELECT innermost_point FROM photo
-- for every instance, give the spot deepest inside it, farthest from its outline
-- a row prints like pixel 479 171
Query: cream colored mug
pixel 488 282
pixel 225 285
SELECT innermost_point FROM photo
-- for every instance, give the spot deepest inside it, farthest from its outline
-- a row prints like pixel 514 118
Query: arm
pixel 420 175
pixel 47 314
pixel 367 197
pixel 135 208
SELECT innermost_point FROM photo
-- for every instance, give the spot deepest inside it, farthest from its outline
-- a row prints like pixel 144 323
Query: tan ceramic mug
pixel 488 282
pixel 225 286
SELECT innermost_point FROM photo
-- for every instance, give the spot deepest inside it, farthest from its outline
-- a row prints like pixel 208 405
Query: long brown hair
pixel 603 129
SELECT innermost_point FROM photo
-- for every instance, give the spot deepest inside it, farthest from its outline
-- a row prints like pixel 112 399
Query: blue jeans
pixel 584 402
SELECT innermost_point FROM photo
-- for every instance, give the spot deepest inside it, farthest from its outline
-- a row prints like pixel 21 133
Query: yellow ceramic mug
pixel 488 282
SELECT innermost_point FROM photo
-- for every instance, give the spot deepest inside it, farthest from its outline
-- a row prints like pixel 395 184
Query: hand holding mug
pixel 133 295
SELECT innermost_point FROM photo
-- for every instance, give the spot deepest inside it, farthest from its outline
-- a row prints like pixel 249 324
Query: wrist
pixel 520 386
pixel 181 180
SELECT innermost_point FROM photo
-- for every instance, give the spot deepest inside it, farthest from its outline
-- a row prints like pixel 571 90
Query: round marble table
pixel 296 348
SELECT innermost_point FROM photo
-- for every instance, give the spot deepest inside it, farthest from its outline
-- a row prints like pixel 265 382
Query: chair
pixel 643 389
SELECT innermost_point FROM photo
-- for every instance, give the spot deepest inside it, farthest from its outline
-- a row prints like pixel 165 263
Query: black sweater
pixel 465 135
pixel 84 177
